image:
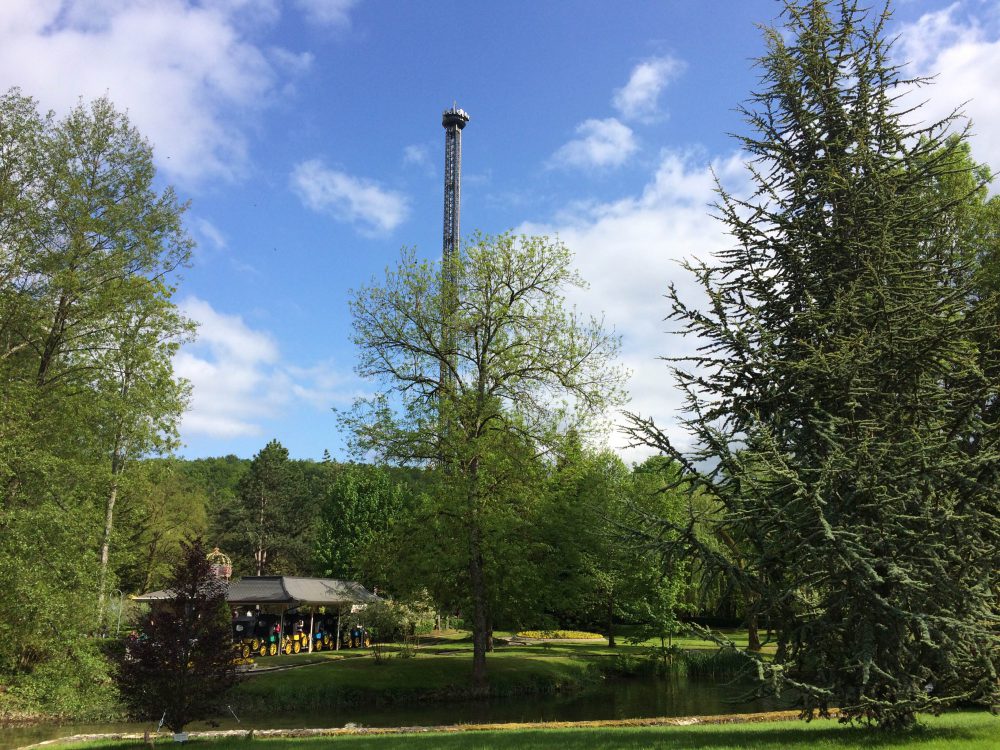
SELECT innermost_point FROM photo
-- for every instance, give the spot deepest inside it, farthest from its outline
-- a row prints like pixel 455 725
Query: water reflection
pixel 626 699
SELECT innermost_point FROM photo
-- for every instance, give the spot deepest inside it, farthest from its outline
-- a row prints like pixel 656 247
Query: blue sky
pixel 307 136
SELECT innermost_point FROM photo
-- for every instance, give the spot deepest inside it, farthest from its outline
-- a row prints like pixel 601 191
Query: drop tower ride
pixel 453 120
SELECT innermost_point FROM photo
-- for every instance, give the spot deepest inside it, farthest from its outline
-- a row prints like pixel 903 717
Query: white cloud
pixel 418 156
pixel 963 53
pixel 206 230
pixel 640 97
pixel 327 12
pixel 294 62
pixel 232 372
pixel 374 209
pixel 324 386
pixel 602 143
pixel 239 381
pixel 188 73
pixel 630 251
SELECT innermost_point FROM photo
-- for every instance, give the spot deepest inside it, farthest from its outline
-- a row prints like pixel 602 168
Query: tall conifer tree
pixel 839 392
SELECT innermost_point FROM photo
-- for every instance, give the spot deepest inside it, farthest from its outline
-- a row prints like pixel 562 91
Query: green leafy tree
pixel 839 394
pixel 161 507
pixel 656 492
pixel 219 478
pixel 181 661
pixel 477 375
pixel 143 399
pixel 88 254
pixel 420 555
pixel 355 516
pixel 600 570
pixel 593 573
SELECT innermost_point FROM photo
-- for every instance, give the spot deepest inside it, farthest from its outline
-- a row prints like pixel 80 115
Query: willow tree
pixel 520 367
pixel 838 391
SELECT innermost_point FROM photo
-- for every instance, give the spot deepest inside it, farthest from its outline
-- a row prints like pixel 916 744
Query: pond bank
pixel 954 731
pixel 250 734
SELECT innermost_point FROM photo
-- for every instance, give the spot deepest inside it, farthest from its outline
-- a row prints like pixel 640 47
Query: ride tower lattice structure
pixel 454 121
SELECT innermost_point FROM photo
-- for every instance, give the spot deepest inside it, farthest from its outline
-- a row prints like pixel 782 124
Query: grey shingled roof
pixel 290 590
pixel 259 590
pixel 327 591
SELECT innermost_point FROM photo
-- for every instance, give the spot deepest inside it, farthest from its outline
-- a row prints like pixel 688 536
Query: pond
pixel 624 699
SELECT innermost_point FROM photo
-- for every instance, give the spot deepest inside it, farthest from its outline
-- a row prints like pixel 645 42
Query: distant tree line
pixel 565 566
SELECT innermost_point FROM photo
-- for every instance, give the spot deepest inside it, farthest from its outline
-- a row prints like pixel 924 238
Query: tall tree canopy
pixel 88 254
pixel 480 369
pixel 841 393
pixel 355 514
pixel 270 524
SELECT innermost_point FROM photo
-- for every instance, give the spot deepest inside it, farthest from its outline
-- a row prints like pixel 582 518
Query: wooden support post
pixel 312 615
pixel 281 631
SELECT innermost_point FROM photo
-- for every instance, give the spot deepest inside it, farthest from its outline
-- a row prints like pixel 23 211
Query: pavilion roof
pixel 295 590
pixel 289 590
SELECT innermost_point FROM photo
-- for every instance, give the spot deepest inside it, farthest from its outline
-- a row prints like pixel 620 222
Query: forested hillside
pixel 308 522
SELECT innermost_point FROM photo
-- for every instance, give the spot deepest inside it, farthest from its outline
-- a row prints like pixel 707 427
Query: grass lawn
pixel 440 670
pixel 958 731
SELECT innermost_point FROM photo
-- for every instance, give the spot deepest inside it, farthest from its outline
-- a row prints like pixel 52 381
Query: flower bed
pixel 570 635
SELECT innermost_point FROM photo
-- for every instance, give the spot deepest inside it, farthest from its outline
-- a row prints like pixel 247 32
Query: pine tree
pixel 269 524
pixel 839 392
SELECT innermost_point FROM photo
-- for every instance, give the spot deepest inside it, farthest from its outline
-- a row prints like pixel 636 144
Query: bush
pixel 387 621
pixel 726 662
pixel 72 681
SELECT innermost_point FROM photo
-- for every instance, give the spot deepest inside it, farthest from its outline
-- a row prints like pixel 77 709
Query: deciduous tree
pixel 355 514
pixel 478 378
pixel 88 254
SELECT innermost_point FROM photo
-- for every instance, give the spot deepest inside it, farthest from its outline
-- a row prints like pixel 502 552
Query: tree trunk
pixel 154 547
pixel 480 617
pixel 260 554
pixel 105 551
pixel 781 653
pixel 53 341
pixel 611 622
pixel 481 632
pixel 753 634
pixel 117 464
